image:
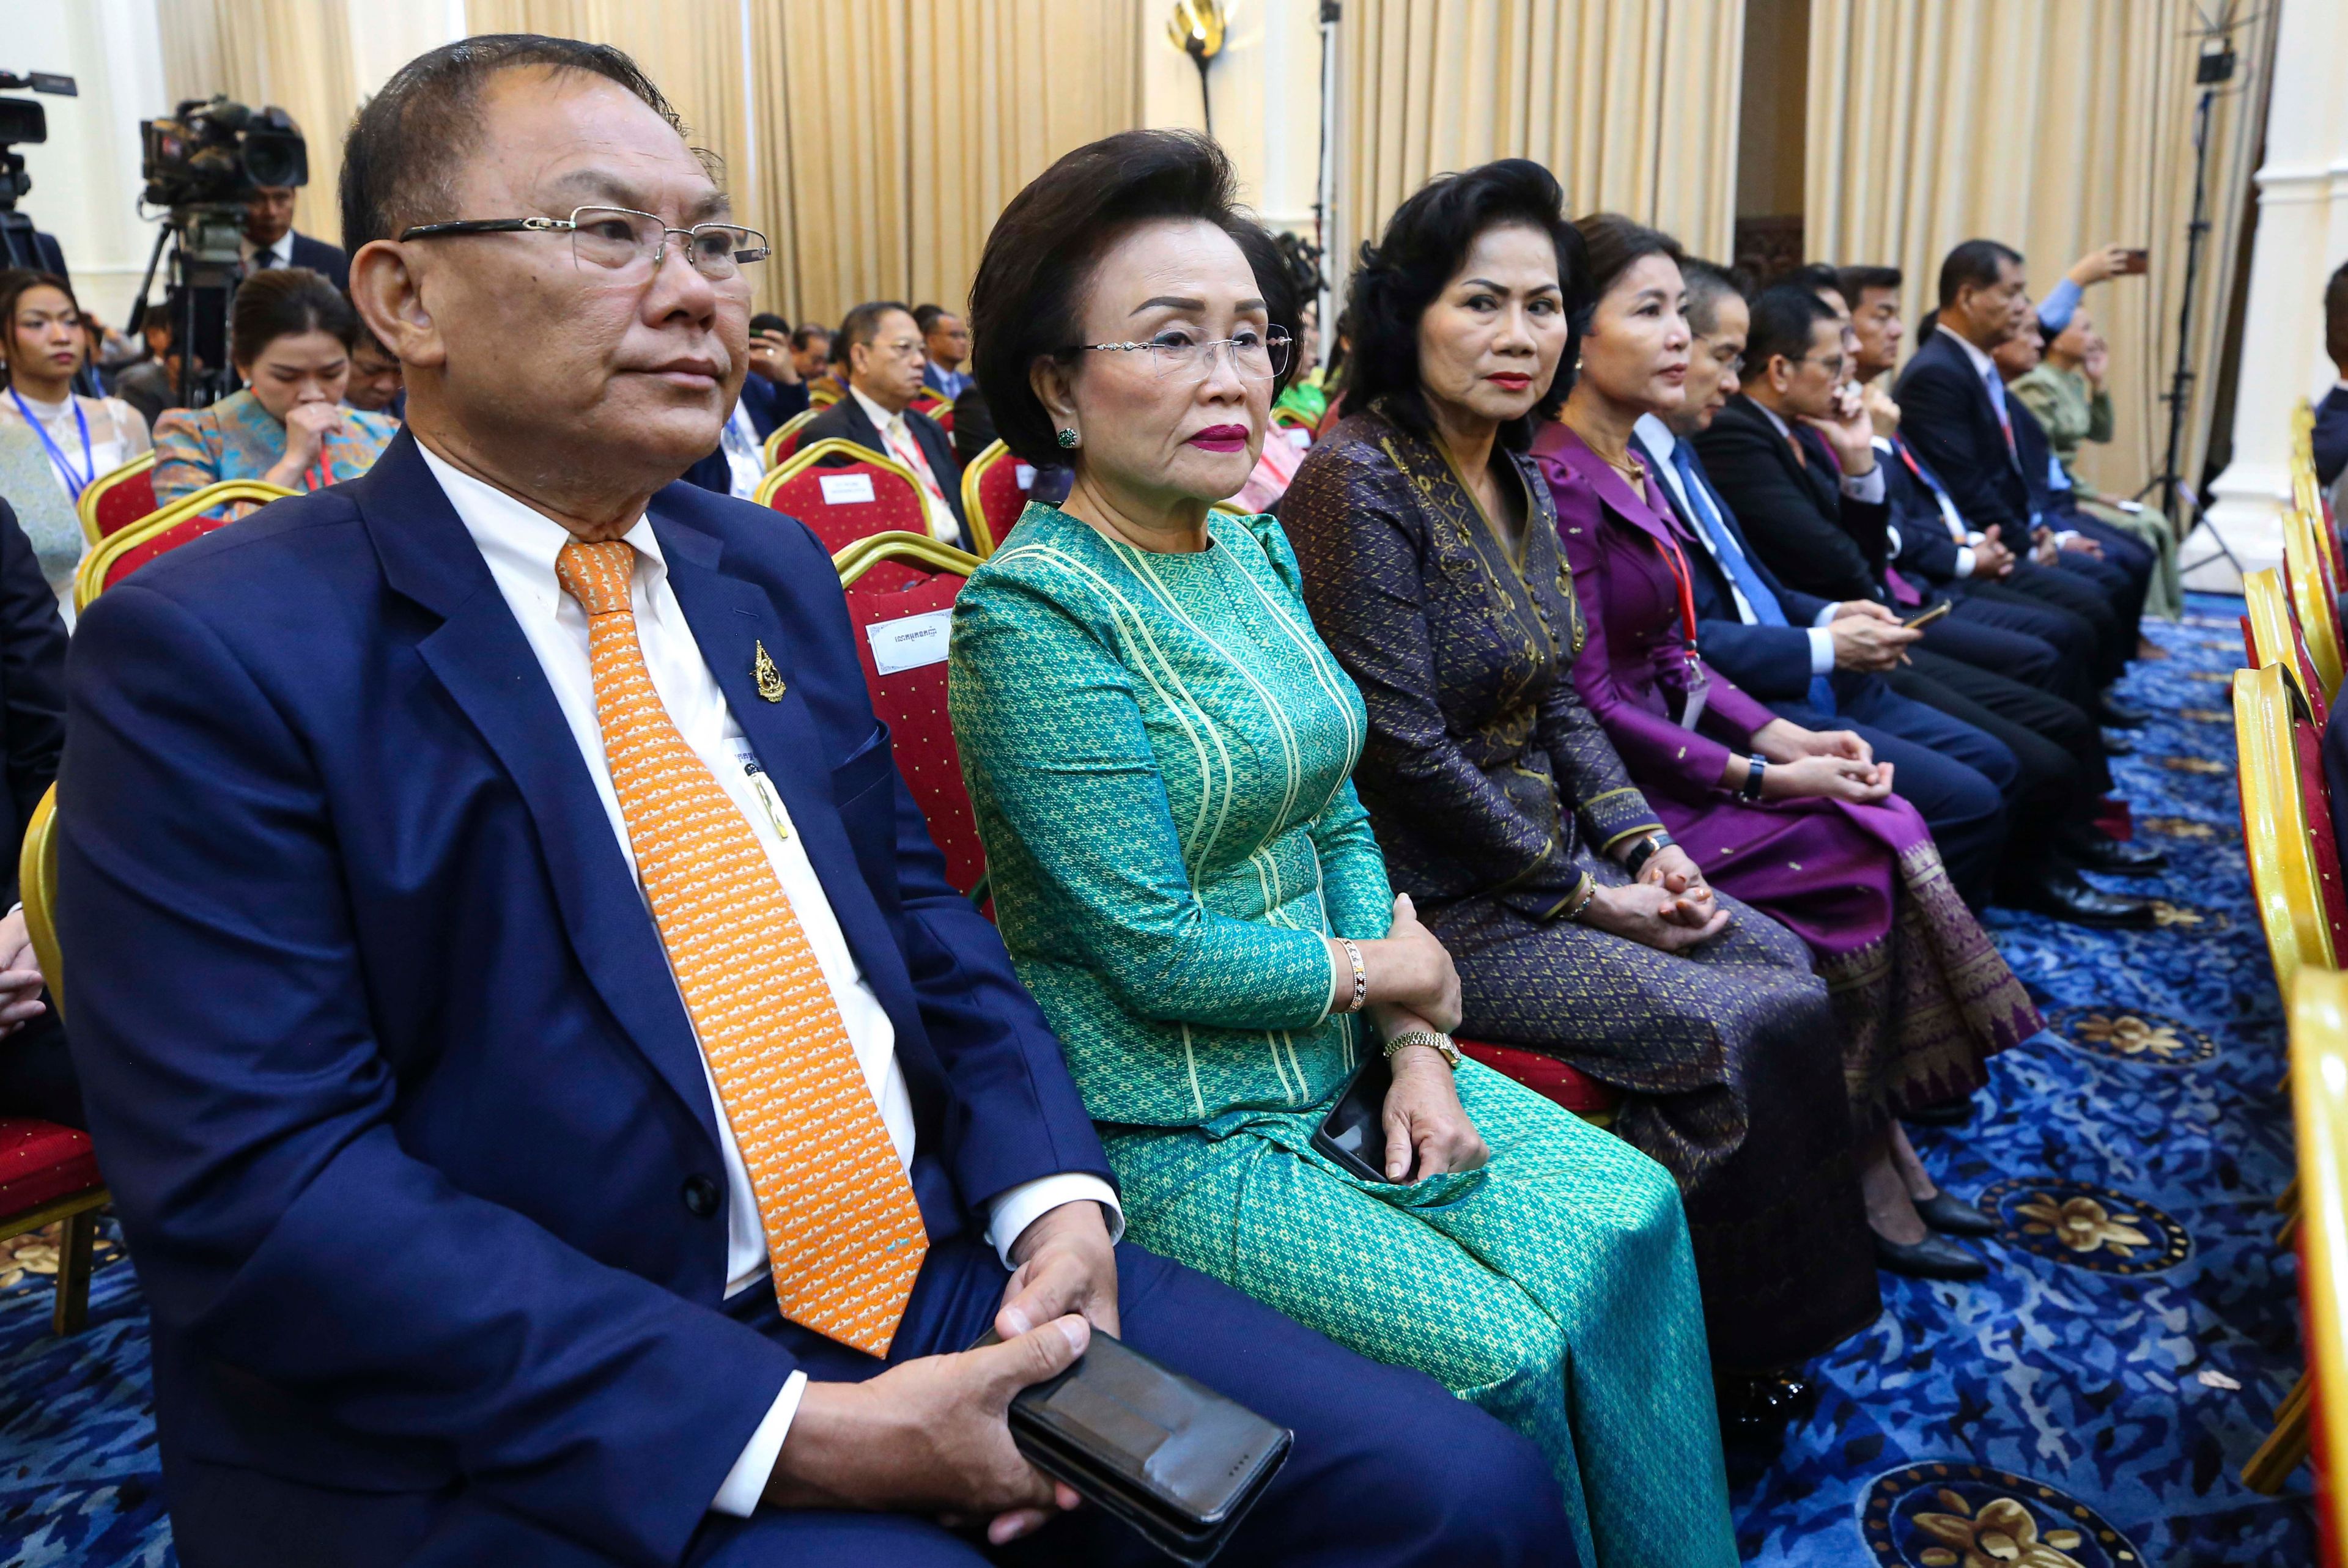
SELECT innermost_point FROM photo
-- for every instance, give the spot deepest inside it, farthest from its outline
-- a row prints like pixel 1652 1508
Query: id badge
pixel 1699 689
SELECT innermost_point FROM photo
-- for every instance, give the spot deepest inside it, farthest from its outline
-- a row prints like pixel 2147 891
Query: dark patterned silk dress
pixel 1495 794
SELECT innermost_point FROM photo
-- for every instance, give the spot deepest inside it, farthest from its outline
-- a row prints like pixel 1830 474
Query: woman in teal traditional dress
pixel 290 333
pixel 1158 746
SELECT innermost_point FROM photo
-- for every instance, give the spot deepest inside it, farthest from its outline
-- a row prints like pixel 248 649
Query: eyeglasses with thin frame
pixel 1254 356
pixel 621 240
pixel 1831 365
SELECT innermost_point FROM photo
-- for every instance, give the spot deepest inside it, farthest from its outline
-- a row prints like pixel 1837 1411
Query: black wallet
pixel 1170 1456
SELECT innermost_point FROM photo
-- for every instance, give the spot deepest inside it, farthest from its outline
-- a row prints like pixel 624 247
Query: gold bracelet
pixel 1361 974
pixel 1438 1043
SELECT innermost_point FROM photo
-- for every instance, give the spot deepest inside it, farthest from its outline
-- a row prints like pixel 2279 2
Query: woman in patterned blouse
pixel 1159 749
pixel 290 333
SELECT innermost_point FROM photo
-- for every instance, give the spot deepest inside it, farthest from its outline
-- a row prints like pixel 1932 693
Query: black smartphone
pixel 1925 617
pixel 1354 1134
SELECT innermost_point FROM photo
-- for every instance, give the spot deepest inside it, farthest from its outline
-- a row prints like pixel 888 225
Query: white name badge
pixel 909 641
pixel 841 489
pixel 1025 474
pixel 1298 437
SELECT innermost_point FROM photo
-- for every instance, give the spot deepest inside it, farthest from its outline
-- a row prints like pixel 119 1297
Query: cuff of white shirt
pixel 1867 487
pixel 1821 651
pixel 1964 560
pixel 1826 614
pixel 2064 536
pixel 1025 1203
pixel 747 1481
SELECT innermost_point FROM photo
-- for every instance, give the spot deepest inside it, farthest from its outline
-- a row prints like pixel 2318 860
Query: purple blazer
pixel 1632 669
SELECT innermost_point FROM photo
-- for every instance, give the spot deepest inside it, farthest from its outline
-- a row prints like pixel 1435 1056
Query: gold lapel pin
pixel 769 679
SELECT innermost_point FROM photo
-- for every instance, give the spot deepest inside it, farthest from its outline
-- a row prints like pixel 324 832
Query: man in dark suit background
pixel 880 353
pixel 2332 413
pixel 1768 452
pixel 399 1065
pixel 269 240
pixel 36 1076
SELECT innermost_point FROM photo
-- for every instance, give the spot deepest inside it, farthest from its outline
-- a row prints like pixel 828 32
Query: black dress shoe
pixel 2118 745
pixel 1930 1258
pixel 2116 715
pixel 1755 1411
pixel 1947 1113
pixel 2066 896
pixel 2091 851
pixel 1944 1212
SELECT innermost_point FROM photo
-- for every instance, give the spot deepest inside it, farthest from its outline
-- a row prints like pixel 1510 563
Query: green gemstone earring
pixel 1067 439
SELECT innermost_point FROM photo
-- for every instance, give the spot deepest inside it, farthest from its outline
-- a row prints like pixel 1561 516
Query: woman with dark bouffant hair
pixel 1159 751
pixel 1432 566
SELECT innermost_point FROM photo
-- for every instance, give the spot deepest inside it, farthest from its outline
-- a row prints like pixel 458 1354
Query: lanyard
pixel 1698 682
pixel 75 482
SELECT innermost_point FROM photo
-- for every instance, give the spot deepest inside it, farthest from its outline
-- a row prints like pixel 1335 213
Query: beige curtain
pixel 904 126
pixel 294 54
pixel 2053 128
pixel 1632 103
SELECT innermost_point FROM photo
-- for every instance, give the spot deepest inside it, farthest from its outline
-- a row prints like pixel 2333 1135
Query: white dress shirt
pixel 1661 442
pixel 520 546
pixel 257 257
pixel 898 437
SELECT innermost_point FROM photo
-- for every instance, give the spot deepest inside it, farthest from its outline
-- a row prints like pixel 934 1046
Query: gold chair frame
pixel 90 578
pixel 2319 1094
pixel 2271 630
pixel 781 432
pixel 36 884
pixel 853 560
pixel 86 507
pixel 973 513
pixel 2283 879
pixel 2311 594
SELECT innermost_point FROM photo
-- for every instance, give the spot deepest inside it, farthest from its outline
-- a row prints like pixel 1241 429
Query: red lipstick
pixel 1222 438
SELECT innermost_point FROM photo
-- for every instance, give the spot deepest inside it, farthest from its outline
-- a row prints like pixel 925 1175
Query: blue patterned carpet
pixel 2088 1405
pixel 2092 1402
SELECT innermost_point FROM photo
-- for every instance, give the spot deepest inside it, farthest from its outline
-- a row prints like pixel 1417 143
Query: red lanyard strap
pixel 1676 564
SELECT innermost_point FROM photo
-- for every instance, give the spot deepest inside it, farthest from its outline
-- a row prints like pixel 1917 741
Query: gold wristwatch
pixel 1439 1043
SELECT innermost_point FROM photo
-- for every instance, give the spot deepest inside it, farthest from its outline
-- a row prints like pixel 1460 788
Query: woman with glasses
pixel 291 333
pixel 1579 929
pixel 54 442
pixel 1800 823
pixel 1159 748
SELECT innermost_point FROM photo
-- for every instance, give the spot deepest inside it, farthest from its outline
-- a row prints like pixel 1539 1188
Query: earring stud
pixel 1067 439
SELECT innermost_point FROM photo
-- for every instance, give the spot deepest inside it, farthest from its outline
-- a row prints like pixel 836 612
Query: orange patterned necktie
pixel 843 1232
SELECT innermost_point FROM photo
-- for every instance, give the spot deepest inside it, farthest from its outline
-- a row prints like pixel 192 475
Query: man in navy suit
pixel 879 352
pixel 269 240
pixel 2332 413
pixel 450 1253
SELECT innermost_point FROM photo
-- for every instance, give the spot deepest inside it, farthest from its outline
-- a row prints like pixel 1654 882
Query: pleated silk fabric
pixel 843 1232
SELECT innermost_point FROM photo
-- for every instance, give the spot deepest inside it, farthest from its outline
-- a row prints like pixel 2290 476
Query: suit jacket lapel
pixel 481 658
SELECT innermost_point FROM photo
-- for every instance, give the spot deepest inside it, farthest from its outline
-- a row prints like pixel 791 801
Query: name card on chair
pixel 1025 474
pixel 909 641
pixel 840 489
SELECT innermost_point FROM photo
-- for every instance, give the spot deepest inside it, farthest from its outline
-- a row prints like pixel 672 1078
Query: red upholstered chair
pixel 1547 1076
pixel 47 1172
pixel 114 500
pixel 191 517
pixel 902 617
pixel 785 441
pixel 846 493
pixel 930 401
pixel 994 493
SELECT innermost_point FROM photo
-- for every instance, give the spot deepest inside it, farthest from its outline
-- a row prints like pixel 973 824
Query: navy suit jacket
pixel 321 257
pixel 403 1114
pixel 1946 415
pixel 1811 534
pixel 772 402
pixel 1927 556
pixel 2331 436
pixel 1772 662
pixel 32 689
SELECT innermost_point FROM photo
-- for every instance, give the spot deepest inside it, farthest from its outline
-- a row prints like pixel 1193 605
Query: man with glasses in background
pixel 563 1113
pixel 879 351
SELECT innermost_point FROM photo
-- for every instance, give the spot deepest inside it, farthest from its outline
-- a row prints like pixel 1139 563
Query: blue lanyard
pixel 75 483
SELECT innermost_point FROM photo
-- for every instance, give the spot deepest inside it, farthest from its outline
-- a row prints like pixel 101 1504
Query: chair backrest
pixel 824 393
pixel 1290 419
pixel 2298 899
pixel 846 493
pixel 2319 1097
pixel 118 499
pixel 191 517
pixel 37 884
pixel 783 440
pixel 2272 637
pixel 929 400
pixel 2312 597
pixel 903 619
pixel 994 490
